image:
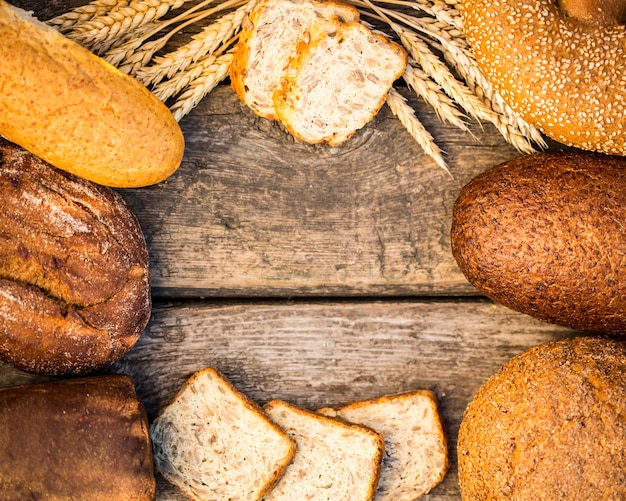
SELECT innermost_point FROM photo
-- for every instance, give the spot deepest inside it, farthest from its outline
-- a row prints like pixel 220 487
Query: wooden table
pixel 314 274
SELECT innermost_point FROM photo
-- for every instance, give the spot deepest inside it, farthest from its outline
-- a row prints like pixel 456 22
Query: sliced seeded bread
pixel 416 451
pixel 338 82
pixel 335 460
pixel 215 444
pixel 269 40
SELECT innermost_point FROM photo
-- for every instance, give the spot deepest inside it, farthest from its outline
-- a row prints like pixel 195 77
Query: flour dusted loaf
pixel 84 439
pixel 334 460
pixel 212 442
pixel 314 66
pixel 337 83
pixel 550 424
pixel 269 41
pixel 79 113
pixel 74 270
pixel 416 448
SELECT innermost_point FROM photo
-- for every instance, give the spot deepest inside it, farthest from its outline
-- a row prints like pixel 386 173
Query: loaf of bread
pixel 334 460
pixel 337 83
pixel 212 442
pixel 550 424
pixel 79 113
pixel 74 270
pixel 269 41
pixel 416 448
pixel 83 439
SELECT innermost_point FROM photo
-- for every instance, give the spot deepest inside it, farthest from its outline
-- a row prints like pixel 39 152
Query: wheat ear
pixel 201 44
pixel 403 111
pixel 210 76
pixel 69 20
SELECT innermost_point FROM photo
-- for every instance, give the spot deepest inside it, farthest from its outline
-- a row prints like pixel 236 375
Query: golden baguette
pixel 79 113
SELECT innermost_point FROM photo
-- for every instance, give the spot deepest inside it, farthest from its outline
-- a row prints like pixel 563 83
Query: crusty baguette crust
pixel 79 113
pixel 82 439
pixel 245 454
pixel 416 446
pixel 74 268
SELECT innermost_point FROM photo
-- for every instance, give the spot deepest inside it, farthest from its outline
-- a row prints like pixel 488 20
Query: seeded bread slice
pixel 214 443
pixel 416 449
pixel 337 82
pixel 269 40
pixel 335 460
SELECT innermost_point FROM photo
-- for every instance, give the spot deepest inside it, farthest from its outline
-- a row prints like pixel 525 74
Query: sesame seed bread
pixel 416 449
pixel 561 69
pixel 337 83
pixel 212 442
pixel 269 40
pixel 334 461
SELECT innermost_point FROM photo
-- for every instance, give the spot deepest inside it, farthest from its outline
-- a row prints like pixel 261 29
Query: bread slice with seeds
pixel 338 82
pixel 269 40
pixel 416 450
pixel 335 460
pixel 214 443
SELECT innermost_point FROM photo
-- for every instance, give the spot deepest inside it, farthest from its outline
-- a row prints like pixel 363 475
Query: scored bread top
pixel 213 442
pixel 335 460
pixel 269 41
pixel 416 451
pixel 338 82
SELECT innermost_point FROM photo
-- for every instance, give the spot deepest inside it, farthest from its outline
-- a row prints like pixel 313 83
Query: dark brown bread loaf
pixel 74 271
pixel 551 424
pixel 79 439
pixel 544 234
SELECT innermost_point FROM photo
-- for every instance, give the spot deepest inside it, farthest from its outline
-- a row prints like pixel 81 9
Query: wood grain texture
pixel 323 353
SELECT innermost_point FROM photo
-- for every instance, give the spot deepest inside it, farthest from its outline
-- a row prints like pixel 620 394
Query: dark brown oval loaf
pixel 550 424
pixel 74 270
pixel 545 234
pixel 79 439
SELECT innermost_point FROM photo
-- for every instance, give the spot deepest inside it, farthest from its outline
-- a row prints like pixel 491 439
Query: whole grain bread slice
pixel 338 82
pixel 416 449
pixel 269 40
pixel 335 460
pixel 214 443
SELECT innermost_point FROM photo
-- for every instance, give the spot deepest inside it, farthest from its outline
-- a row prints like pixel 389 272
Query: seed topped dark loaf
pixel 74 270
pixel 79 439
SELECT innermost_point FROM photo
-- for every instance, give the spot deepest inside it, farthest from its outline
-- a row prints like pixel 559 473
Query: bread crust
pixel 80 439
pixel 563 75
pixel 74 269
pixel 79 113
pixel 550 424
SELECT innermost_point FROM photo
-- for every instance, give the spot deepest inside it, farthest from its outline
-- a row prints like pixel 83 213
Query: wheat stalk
pixel 434 96
pixel 405 113
pixel 211 75
pixel 201 44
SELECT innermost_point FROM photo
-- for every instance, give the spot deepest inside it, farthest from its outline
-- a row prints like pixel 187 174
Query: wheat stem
pixel 405 113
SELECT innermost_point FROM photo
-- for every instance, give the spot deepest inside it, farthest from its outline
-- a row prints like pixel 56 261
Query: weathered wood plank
pixel 318 353
pixel 252 212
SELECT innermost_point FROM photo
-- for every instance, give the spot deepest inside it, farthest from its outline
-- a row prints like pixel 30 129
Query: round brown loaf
pixel 79 113
pixel 551 424
pixel 74 269
pixel 560 65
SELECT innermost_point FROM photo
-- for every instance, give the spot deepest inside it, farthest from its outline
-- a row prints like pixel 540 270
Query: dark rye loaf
pixel 74 271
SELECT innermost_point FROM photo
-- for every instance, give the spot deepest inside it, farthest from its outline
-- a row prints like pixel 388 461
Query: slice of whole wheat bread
pixel 416 450
pixel 335 460
pixel 338 82
pixel 269 40
pixel 214 443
